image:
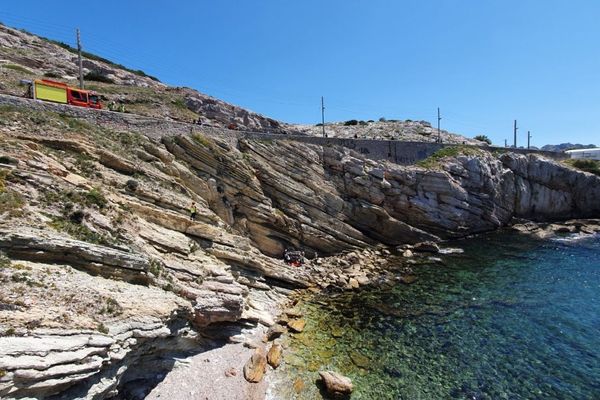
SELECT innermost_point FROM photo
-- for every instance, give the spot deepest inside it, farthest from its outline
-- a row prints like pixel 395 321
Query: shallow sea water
pixel 511 318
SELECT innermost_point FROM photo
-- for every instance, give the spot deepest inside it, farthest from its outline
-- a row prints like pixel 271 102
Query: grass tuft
pixel 433 161
pixel 591 166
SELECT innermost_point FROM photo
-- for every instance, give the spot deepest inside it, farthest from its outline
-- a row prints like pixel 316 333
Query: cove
pixel 513 317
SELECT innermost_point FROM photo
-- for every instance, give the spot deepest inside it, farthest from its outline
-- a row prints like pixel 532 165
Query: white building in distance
pixel 587 154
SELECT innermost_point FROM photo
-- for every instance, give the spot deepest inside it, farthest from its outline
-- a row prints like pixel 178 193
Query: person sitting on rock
pixel 193 211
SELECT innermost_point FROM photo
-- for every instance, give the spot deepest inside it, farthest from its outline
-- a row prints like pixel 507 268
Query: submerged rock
pixel 360 360
pixel 407 279
pixel 298 385
pixel 337 332
pixel 296 325
pixel 336 384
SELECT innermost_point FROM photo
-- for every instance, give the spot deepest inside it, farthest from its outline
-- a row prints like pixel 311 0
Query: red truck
pixel 58 92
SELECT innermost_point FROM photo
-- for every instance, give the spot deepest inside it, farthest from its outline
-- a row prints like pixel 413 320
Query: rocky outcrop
pixel 546 190
pixel 36 245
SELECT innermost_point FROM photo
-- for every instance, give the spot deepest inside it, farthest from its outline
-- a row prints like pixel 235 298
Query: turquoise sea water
pixel 511 318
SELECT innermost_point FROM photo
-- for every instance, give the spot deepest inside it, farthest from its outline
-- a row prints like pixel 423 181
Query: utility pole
pixel 80 60
pixel 439 134
pixel 505 143
pixel 528 140
pixel 323 116
pixel 515 135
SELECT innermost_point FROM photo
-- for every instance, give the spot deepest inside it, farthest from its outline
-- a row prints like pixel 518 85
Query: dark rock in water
pixel 275 331
pixel 336 385
pixel 426 247
pixel 360 360
pixel 393 372
pixel 563 229
pixel 255 368
pixel 337 332
pixel 407 279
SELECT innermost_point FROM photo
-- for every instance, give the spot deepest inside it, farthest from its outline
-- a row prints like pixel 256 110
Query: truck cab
pixel 83 98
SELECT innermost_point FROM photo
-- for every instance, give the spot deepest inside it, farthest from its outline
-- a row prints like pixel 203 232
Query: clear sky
pixel 484 63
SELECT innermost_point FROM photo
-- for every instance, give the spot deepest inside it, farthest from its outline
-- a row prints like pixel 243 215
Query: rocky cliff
pixel 104 272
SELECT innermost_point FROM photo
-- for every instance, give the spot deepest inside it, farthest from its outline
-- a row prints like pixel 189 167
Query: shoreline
pixel 222 369
pixel 571 230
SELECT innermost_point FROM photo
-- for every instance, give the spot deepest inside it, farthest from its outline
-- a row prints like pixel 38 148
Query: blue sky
pixel 484 63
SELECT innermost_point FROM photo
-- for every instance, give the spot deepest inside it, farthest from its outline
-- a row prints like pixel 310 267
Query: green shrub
pixel 78 231
pixel 94 57
pixel 96 197
pixel 11 202
pixel 201 140
pixel 4 261
pixel 483 138
pixel 591 166
pixel 102 328
pixel 155 267
pixel 18 68
pixel 132 185
pixel 97 77
pixel 180 103
pixel 351 122
pixel 69 198
pixel 433 161
pixel 52 74
pixel 8 160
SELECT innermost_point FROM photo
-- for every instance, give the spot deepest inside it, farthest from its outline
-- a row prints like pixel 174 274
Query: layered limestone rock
pixel 106 279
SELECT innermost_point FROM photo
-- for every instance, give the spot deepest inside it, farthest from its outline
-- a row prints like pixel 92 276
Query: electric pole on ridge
pixel 80 60
pixel 515 135
pixel 323 116
pixel 529 139
pixel 438 126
